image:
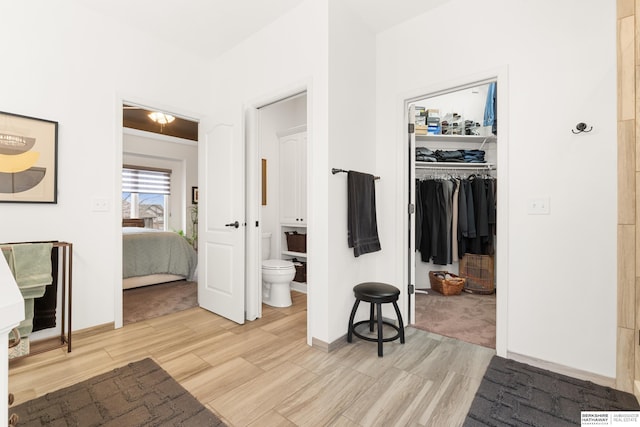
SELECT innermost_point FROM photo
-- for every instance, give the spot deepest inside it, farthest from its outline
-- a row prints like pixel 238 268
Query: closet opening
pixel 453 217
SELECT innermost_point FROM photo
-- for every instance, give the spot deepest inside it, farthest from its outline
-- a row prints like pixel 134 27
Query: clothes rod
pixel 452 165
pixel 336 170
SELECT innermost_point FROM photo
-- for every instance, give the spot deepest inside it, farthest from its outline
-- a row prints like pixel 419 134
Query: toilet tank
pixel 266 245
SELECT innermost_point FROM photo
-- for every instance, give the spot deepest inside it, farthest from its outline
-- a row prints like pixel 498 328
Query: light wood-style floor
pixel 264 374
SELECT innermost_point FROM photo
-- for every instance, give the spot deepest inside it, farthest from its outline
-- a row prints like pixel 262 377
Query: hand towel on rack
pixel 362 227
pixel 30 264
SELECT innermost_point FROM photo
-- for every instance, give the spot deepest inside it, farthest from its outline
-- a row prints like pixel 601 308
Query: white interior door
pixel 221 222
pixel 412 216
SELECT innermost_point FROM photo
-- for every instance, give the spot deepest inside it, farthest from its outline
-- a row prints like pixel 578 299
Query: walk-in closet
pixel 453 178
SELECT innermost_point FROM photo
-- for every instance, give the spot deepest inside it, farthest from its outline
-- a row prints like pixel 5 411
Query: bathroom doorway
pixel 281 198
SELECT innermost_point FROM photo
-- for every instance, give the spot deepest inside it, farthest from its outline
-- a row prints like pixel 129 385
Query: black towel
pixel 361 213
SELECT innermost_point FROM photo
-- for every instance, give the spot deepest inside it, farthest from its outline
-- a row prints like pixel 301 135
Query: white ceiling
pixel 211 27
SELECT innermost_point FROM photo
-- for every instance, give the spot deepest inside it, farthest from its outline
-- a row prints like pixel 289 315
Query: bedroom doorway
pixel 159 197
pixel 277 137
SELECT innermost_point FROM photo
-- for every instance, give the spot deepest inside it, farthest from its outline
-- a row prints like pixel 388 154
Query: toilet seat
pixel 277 264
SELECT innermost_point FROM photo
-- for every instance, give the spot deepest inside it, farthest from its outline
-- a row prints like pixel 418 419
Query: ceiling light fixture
pixel 161 118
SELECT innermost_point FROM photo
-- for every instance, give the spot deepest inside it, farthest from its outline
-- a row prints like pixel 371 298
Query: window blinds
pixel 148 181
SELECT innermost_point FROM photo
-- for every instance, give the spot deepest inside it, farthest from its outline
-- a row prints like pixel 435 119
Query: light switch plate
pixel 100 204
pixel 538 206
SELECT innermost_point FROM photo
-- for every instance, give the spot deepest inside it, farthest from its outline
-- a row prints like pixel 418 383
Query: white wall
pixel 351 146
pixel 285 57
pixel 341 88
pixel 561 63
pixel 180 156
pixel 74 67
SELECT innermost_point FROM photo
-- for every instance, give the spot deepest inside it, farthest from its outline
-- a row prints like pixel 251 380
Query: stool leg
pixel 353 315
pixel 371 317
pixel 400 324
pixel 379 330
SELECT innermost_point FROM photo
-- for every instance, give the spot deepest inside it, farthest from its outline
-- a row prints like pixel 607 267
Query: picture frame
pixel 194 195
pixel 264 182
pixel 28 159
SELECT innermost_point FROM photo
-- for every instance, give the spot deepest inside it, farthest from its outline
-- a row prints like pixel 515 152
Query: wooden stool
pixel 376 294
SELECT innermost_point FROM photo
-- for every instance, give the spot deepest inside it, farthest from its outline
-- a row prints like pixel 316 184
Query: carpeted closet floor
pixel 467 317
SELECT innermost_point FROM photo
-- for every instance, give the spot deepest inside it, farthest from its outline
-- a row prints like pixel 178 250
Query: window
pixel 145 194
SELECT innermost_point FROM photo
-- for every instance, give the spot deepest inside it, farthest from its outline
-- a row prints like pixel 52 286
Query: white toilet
pixel 277 275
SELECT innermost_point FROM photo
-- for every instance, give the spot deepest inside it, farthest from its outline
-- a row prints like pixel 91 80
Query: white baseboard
pixel 564 370
pixel 298 286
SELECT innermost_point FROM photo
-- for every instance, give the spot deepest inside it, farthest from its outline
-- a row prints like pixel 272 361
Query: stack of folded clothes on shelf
pixel 424 154
pixel 472 156
pixel 449 156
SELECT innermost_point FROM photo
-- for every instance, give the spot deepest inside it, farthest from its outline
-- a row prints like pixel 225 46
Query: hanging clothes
pixel 418 221
pixel 430 216
pixel 490 109
pixel 454 223
pixel 457 216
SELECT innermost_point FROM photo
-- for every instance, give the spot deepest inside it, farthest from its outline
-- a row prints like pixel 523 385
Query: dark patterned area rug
pixel 517 394
pixel 139 394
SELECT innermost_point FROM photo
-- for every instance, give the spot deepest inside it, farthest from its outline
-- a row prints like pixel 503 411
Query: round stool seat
pixel 376 292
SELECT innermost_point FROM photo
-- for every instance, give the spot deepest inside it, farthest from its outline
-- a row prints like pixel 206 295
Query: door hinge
pixel 412 128
pixel 412 289
pixel 412 208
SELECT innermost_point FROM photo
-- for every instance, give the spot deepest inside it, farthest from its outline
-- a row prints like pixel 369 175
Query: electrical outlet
pixel 100 204
pixel 538 206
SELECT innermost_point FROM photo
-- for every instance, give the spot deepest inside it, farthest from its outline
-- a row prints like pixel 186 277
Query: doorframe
pixel 500 75
pixel 253 267
pixel 121 99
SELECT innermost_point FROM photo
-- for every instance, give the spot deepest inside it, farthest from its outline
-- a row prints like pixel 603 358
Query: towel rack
pixel 66 276
pixel 336 170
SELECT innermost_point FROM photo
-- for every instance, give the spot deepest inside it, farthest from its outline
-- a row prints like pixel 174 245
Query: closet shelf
pixel 457 138
pixel 455 165
pixel 295 254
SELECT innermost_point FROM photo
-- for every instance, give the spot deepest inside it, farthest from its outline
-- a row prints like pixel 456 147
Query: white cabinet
pixel 293 198
pixel 293 179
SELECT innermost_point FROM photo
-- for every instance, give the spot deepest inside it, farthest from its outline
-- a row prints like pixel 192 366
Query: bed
pixel 152 256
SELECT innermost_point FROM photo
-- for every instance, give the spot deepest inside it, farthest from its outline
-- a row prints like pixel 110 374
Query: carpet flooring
pixel 468 317
pixel 153 301
pixel 516 394
pixel 138 394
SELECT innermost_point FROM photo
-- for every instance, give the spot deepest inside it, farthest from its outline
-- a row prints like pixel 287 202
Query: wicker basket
pixel 446 283
pixel 301 271
pixel 479 272
pixel 296 242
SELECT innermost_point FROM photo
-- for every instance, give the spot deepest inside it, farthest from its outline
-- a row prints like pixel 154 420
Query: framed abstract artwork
pixel 28 159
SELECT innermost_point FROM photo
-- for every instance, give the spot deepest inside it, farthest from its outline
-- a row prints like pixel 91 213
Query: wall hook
pixel 582 127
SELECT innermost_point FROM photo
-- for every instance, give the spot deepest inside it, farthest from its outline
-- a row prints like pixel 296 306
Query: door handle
pixel 233 224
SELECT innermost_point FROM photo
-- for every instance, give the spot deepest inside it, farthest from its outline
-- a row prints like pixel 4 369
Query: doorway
pixel 158 179
pixel 279 197
pixel 440 106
